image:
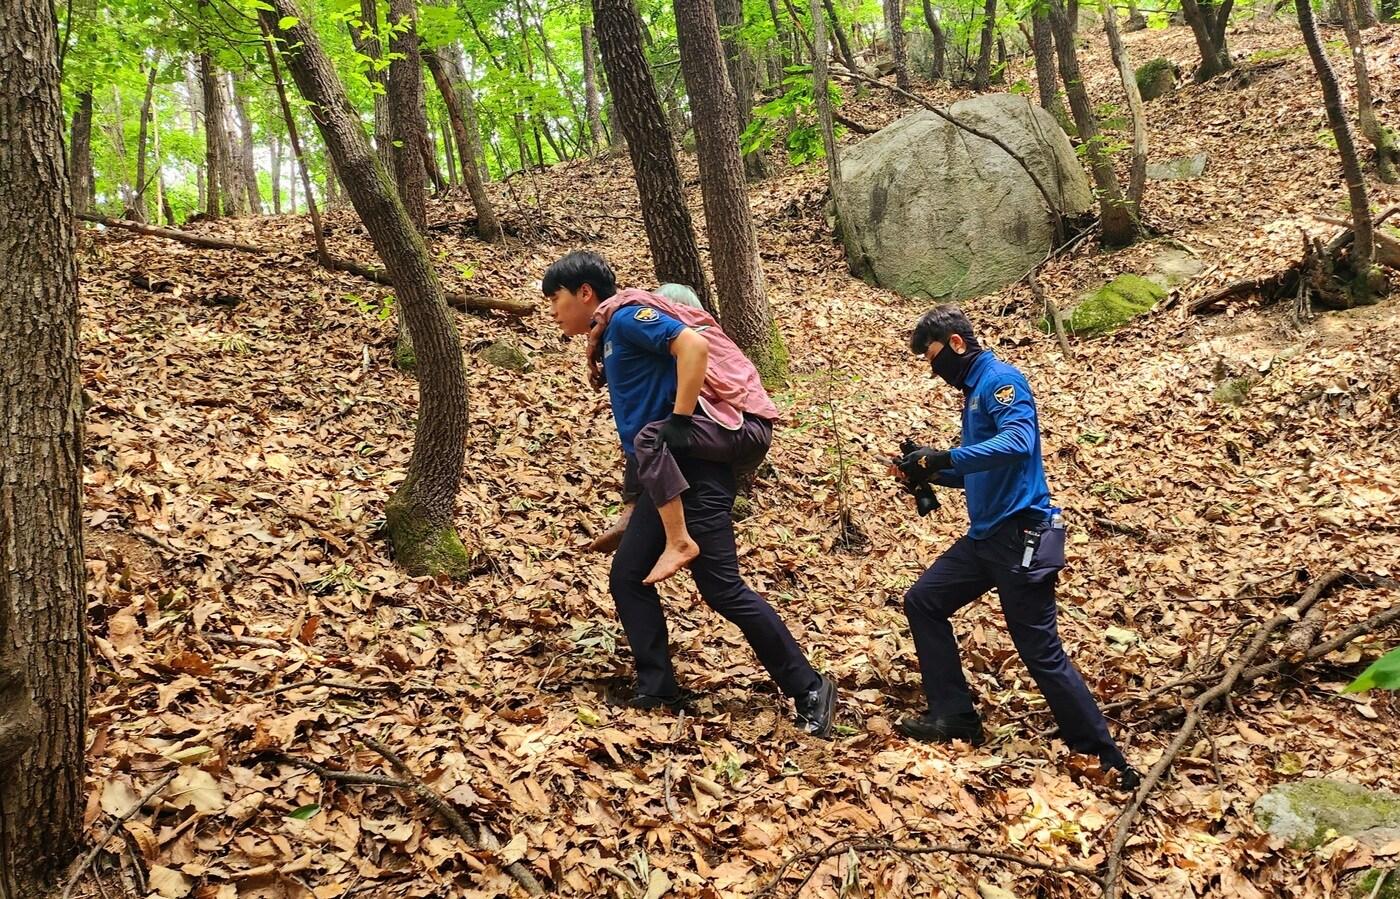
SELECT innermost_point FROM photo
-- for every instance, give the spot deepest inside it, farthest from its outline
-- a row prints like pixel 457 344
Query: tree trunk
pixel 982 75
pixel 488 228
pixel 444 127
pixel 1214 57
pixel 247 154
pixel 590 89
pixel 323 255
pixel 728 219
pixel 1380 137
pixel 42 599
pixel 1363 243
pixel 1046 78
pixel 162 197
pixel 138 198
pixel 730 14
pixel 81 153
pixel 843 44
pixel 1366 14
pixel 1118 225
pixel 235 174
pixel 213 137
pixel 116 133
pixel 1136 21
pixel 419 516
pixel 670 232
pixel 823 98
pixel 469 117
pixel 940 41
pixel 292 189
pixel 196 100
pixel 367 42
pixel 894 23
pixel 277 174
pixel 1137 178
pixel 781 34
pixel 405 84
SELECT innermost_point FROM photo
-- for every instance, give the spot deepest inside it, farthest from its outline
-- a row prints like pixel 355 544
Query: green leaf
pixel 306 812
pixel 1384 673
pixel 287 22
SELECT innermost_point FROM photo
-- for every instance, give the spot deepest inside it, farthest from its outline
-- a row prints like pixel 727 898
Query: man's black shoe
pixel 932 729
pixel 646 701
pixel 1129 779
pixel 817 710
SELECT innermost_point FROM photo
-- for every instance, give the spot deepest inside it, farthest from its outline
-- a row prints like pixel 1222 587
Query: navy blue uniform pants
pixel 708 504
pixel 968 569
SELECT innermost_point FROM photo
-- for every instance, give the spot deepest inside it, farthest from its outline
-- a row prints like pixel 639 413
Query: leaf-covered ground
pixel 242 605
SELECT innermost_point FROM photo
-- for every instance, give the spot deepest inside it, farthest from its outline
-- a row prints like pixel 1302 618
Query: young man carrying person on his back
pixel 689 407
pixel 1015 544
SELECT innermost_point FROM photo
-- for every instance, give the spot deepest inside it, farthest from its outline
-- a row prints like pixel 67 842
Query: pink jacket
pixel 732 385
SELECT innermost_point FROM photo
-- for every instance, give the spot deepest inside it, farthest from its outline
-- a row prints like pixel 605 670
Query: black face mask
pixel 953 367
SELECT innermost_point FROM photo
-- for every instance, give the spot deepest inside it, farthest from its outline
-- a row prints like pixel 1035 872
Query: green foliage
pixel 1281 53
pixel 1384 674
pixel 796 105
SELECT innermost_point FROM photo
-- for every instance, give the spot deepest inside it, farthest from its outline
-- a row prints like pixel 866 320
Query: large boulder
pixel 929 210
pixel 1308 813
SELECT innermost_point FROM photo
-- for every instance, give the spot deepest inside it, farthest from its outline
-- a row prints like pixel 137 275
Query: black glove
pixel 923 463
pixel 676 432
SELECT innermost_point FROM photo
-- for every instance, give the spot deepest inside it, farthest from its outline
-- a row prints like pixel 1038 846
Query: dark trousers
pixel 707 503
pixel 655 469
pixel 967 570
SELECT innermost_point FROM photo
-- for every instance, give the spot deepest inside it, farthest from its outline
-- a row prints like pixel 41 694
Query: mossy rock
pixel 1365 886
pixel 1109 307
pixel 1156 78
pixel 503 354
pixel 1308 813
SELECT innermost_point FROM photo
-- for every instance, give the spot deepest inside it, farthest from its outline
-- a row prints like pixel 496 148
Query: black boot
pixel 817 710
pixel 946 729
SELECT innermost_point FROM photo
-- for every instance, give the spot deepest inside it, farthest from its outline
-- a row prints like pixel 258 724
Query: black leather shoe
pixel 647 701
pixel 817 710
pixel 1129 778
pixel 932 729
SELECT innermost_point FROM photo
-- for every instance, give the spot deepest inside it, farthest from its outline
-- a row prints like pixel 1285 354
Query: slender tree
pixel 843 43
pixel 42 597
pixel 298 158
pixel 365 35
pixel 419 516
pixel 81 153
pixel 405 84
pixel 138 200
pixel 733 240
pixel 591 96
pixel 982 74
pixel 1046 76
pixel 940 41
pixel 741 69
pixel 670 231
pixel 488 227
pixel 248 152
pixel 1380 137
pixel 1137 173
pixel 894 24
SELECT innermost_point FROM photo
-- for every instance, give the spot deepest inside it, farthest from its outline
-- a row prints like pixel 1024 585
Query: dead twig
pixel 111 829
pixel 235 640
pixel 841 847
pixel 1052 312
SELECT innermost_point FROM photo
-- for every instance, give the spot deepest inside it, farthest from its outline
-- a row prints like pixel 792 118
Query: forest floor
pixel 242 604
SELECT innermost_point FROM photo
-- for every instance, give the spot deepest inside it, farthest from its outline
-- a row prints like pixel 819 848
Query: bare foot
pixel 609 540
pixel 672 560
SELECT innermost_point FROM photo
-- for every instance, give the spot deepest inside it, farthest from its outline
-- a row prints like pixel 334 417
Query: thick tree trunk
pixel 213 138
pixel 736 58
pixel 247 155
pixel 1046 77
pixel 419 516
pixel 1137 178
pixel 405 84
pixel 670 232
pixel 1366 14
pixel 138 199
pixel 42 600
pixel 1363 243
pixel 894 24
pixel 591 95
pixel 465 97
pixel 80 148
pixel 843 43
pixel 1116 221
pixel 1379 136
pixel 235 171
pixel 728 219
pixel 940 41
pixel 982 75
pixel 1215 58
pixel 487 226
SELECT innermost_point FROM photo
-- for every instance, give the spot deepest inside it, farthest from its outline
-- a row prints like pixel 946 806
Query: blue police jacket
pixel 998 463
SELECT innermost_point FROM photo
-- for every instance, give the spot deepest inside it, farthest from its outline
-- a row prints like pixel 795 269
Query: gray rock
pixel 1171 266
pixel 931 211
pixel 1156 78
pixel 1308 813
pixel 1184 168
pixel 503 354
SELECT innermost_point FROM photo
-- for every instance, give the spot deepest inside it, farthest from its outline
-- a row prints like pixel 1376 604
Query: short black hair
pixel 577 269
pixel 937 324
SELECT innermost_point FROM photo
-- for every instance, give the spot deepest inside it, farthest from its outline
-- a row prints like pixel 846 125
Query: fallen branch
pixel 235 640
pixel 841 847
pixel 410 782
pixel 1052 312
pixel 857 127
pixel 112 828
pixel 333 263
pixel 1124 828
pixel 1051 205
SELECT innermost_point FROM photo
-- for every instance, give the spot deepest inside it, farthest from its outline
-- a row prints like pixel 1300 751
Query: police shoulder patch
pixel 646 314
pixel 1005 394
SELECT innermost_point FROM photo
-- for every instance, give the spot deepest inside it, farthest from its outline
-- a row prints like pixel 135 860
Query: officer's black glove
pixel 923 463
pixel 676 432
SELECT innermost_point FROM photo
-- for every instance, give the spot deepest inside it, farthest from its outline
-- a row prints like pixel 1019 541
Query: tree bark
pixel 1046 77
pixel 823 98
pixel 235 170
pixel 464 96
pixel 419 516
pixel 405 84
pixel 843 43
pixel 196 100
pixel 730 14
pixel 488 228
pixel 1137 178
pixel 982 75
pixel 1118 225
pixel 116 133
pixel 247 153
pixel 670 232
pixel 940 41
pixel 894 23
pixel 590 89
pixel 733 242
pixel 277 174
pixel 1366 14
pixel 42 599
pixel 323 254
pixel 1379 136
pixel 1363 243
pixel 213 138
pixel 81 153
pixel 138 198
pixel 366 40
pixel 443 126
pixel 1215 57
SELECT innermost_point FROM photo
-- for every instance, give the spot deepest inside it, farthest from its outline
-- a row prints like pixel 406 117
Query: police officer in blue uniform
pixel 1016 543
